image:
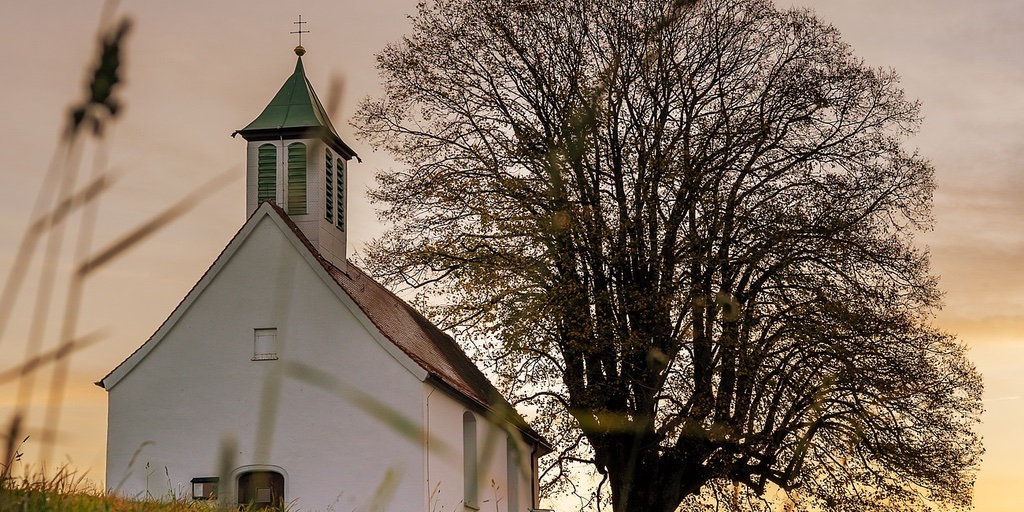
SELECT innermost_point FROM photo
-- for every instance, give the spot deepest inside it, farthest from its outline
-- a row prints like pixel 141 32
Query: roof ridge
pixel 433 350
pixel 490 398
pixel 183 299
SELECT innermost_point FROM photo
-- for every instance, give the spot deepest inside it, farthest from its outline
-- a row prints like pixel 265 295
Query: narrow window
pixel 512 467
pixel 266 173
pixel 204 488
pixel 342 180
pixel 297 178
pixel 264 344
pixel 471 477
pixel 329 187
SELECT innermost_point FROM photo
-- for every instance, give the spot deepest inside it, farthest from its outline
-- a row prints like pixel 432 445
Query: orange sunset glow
pixel 197 71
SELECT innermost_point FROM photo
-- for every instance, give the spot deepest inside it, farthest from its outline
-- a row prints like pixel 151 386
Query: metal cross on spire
pixel 300 23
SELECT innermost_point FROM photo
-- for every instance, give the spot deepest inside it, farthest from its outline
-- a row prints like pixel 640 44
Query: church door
pixel 261 489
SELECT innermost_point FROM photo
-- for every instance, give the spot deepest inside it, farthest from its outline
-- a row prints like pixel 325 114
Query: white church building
pixel 289 377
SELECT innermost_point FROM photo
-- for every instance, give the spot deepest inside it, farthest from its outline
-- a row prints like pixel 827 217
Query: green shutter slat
pixel 266 174
pixel 297 179
pixel 341 182
pixel 329 188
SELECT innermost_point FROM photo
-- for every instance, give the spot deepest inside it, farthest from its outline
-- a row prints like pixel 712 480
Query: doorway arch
pixel 261 488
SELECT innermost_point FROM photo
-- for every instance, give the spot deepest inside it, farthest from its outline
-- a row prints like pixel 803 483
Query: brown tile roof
pixel 421 340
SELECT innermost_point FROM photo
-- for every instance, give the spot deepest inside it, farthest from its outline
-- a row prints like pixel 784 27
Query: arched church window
pixel 512 456
pixel 470 470
pixel 296 178
pixel 266 174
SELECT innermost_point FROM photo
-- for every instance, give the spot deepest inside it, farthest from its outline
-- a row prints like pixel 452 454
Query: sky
pixel 195 71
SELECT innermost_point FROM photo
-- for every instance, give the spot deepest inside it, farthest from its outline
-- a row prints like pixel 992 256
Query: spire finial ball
pixel 300 51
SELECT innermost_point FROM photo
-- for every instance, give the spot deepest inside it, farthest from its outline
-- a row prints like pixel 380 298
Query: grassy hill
pixel 68 492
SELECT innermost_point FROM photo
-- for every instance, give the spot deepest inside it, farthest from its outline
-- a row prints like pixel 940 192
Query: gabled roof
pixel 438 357
pixel 296 111
pixel 426 344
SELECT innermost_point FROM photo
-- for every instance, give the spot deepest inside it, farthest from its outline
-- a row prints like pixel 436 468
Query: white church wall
pixel 315 412
pixel 445 465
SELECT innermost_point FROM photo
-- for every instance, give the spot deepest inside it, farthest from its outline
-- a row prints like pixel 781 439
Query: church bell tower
pixel 295 158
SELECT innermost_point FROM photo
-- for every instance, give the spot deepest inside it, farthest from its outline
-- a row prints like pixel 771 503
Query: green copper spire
pixel 294 106
pixel 296 111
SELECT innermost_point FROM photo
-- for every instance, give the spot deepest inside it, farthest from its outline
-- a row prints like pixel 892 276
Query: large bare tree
pixel 683 233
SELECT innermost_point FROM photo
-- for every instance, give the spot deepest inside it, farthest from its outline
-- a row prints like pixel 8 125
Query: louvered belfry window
pixel 266 175
pixel 296 179
pixel 341 194
pixel 329 188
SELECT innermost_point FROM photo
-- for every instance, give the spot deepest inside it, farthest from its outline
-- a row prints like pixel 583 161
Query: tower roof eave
pixel 320 132
pixel 296 109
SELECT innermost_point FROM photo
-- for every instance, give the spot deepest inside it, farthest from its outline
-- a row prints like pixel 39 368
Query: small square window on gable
pixel 264 344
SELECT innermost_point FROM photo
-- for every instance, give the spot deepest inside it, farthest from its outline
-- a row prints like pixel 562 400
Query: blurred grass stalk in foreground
pixel 59 201
pixel 49 486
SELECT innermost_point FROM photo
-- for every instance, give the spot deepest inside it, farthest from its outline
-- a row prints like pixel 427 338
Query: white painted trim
pixel 367 324
pixel 264 211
